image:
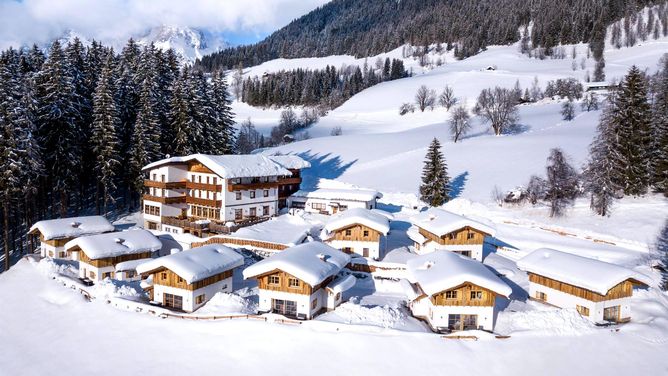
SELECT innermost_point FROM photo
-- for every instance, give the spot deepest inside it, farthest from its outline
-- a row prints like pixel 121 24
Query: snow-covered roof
pixel 588 273
pixel 440 222
pixel 341 284
pixel 197 263
pixel 292 162
pixel 116 244
pixel 362 216
pixel 340 194
pixel 230 166
pixel 286 229
pixel 442 270
pixel 71 227
pixel 413 233
pixel 130 265
pixel 311 262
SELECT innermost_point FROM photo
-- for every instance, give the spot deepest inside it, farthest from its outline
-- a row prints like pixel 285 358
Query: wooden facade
pixel 247 186
pixel 108 261
pixel 165 185
pixel 164 200
pixel 54 242
pixel 464 236
pixel 283 285
pixel 194 166
pixel 243 242
pixel 466 294
pixel 621 290
pixel 204 186
pixel 166 277
pixel 357 233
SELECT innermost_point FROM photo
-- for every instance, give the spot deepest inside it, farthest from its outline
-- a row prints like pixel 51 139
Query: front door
pixel 173 301
pixel 284 307
pixel 611 314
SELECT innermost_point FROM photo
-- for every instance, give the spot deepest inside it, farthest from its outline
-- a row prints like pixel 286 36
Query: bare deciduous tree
pixel 498 107
pixel 459 123
pixel 425 98
pixel 447 98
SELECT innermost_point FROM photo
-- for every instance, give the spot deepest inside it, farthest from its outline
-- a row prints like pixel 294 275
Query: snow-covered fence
pixel 233 241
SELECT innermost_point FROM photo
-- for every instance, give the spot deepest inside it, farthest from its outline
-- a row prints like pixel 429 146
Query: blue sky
pixel 242 21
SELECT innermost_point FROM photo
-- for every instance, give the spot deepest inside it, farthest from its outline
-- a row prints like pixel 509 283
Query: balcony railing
pixel 204 202
pixel 204 186
pixel 164 200
pixel 290 181
pixel 248 186
pixel 165 184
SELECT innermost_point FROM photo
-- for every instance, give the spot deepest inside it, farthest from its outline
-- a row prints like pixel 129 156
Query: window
pixel 174 301
pixel 611 314
pixel 238 195
pixel 215 180
pixel 199 179
pixel 129 274
pixel 162 178
pixel 338 296
pixel 464 253
pixel 365 252
pixel 470 235
pixel 163 276
pixel 107 275
pixel 314 303
pixel 207 180
pixel 366 233
pixel 180 280
pixel 541 296
pixel 349 232
pixel 238 214
pixel 452 236
pixel 274 280
pixel 251 212
pixel 91 275
pixel 293 283
pixel 584 311
pixel 476 295
pixel 265 193
pixel 265 210
pixel 199 299
pixel 451 294
pixel 318 206
pixel 155 177
pixel 252 194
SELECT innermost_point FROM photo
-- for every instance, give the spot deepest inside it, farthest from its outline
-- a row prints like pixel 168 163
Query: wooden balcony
pixel 289 181
pixel 204 186
pixel 204 202
pixel 165 184
pixel 249 186
pixel 165 200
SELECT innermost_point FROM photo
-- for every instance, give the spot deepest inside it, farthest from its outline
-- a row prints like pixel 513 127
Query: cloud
pixel 39 21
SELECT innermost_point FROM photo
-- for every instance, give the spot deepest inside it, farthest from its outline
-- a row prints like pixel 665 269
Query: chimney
pixel 75 224
pixel 119 240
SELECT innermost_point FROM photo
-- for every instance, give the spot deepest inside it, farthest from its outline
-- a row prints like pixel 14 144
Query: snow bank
pixel 286 229
pixel 341 284
pixel 310 262
pixel 594 275
pixel 116 244
pixel 224 303
pixel 290 162
pixel 552 322
pixel 71 227
pixel 352 313
pixel 197 263
pixel 230 166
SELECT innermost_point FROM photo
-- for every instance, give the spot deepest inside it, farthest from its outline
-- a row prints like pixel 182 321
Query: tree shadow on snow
pixel 324 166
pixel 457 184
pixel 517 129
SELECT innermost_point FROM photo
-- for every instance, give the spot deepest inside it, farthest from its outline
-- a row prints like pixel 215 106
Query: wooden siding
pixel 460 236
pixel 357 234
pixel 243 242
pixel 303 289
pixel 247 186
pixel 204 202
pixel 108 261
pixel 164 200
pixel 204 186
pixel 165 185
pixel 621 290
pixel 173 280
pixel 464 297
pixel 54 242
pixel 194 166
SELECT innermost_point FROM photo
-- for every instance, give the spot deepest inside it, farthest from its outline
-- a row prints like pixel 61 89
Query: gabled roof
pixel 115 244
pixel 230 166
pixel 441 222
pixel 71 227
pixel 443 270
pixel 196 264
pixel 292 162
pixel 340 194
pixel 369 218
pixel 310 262
pixel 588 273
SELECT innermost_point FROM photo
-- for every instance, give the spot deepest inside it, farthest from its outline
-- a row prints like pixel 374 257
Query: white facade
pixel 439 316
pixel 326 206
pixel 475 250
pixel 261 202
pixel 48 250
pixel 189 297
pixel 364 249
pixel 564 300
pixel 94 273
pixel 307 305
pixel 153 210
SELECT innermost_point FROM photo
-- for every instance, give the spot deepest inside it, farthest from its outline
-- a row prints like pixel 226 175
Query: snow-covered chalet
pixel 358 230
pixel 55 233
pixel 330 201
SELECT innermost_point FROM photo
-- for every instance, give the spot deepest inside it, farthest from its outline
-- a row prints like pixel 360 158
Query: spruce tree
pixel 106 121
pixel 568 110
pixel 562 182
pixel 662 250
pixel 631 122
pixel 222 132
pixel 435 188
pixel 659 134
pixel 179 118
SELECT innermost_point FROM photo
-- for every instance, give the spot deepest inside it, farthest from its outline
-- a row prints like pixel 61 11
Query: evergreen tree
pixel 57 114
pixel 599 170
pixel 568 110
pixel 222 133
pixel 561 184
pixel 201 114
pixel 435 188
pixel 179 119
pixel 104 139
pixel 662 250
pixel 630 119
pixel 659 134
